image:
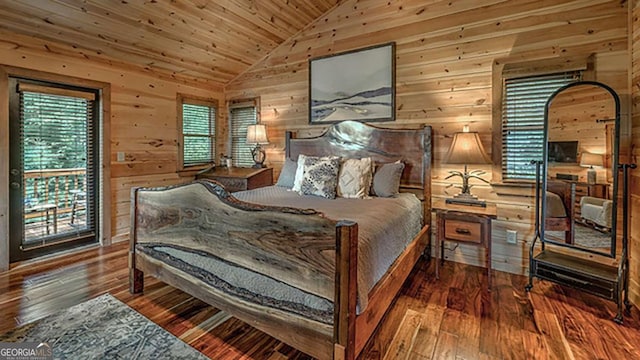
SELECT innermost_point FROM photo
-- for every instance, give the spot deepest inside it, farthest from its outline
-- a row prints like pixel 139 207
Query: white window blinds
pixel 242 115
pixel 523 105
pixel 198 134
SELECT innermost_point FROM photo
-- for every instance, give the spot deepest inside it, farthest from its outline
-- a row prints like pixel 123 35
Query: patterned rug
pixel 585 237
pixel 103 328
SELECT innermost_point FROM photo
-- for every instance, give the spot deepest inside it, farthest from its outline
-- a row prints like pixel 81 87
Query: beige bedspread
pixel 385 226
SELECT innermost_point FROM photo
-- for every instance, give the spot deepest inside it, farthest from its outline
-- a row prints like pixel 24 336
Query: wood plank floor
pixel 453 318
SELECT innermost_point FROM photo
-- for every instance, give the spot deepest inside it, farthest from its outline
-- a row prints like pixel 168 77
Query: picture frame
pixel 355 85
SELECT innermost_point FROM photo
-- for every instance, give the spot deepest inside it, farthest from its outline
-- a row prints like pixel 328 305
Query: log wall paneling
pixel 445 53
pixel 143 117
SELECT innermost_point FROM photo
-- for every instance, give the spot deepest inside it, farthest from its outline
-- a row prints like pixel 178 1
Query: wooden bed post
pixel 344 316
pixel 288 135
pixel 426 183
pixel 136 277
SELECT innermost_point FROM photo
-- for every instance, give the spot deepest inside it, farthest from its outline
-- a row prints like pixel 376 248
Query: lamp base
pixel 466 199
pixel 259 156
pixel 591 176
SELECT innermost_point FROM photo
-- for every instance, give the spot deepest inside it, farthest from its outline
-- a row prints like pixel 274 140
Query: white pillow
pixel 297 180
pixel 354 180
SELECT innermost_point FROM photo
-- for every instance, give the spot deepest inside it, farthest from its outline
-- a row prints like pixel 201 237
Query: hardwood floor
pixel 453 318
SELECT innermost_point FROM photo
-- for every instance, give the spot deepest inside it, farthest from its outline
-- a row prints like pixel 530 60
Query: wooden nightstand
pixel 468 224
pixel 239 179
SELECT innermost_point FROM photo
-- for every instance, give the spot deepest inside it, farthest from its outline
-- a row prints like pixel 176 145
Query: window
pixel 242 114
pixel 523 104
pixel 198 124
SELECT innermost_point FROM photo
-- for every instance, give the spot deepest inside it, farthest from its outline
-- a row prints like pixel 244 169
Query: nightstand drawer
pixel 463 231
pixel 581 189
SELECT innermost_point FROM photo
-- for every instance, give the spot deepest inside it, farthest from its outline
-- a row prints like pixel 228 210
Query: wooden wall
pixel 446 52
pixel 634 245
pixel 143 115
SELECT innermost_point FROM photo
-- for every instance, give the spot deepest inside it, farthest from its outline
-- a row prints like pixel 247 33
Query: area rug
pixel 585 237
pixel 103 328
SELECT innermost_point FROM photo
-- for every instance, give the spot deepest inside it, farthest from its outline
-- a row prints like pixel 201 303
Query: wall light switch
pixel 120 156
pixel 512 237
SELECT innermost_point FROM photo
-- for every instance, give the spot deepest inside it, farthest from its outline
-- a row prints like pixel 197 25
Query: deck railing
pixel 54 186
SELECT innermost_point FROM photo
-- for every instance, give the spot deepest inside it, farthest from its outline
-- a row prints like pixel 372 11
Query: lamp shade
pixel 589 159
pixel 257 134
pixel 466 148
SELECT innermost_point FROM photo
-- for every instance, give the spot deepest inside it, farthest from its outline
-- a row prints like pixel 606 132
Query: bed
pixel 559 209
pixel 321 300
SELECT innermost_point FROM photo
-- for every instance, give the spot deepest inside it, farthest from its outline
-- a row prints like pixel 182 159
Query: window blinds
pixel 198 129
pixel 241 117
pixel 523 105
pixel 58 147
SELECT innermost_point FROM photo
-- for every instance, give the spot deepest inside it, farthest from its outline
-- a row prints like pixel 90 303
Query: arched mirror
pixel 580 182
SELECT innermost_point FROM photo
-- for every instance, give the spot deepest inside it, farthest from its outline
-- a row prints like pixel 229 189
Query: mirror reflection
pixel 579 200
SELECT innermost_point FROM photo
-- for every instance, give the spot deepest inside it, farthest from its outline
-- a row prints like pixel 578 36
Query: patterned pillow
pixel 355 178
pixel 320 176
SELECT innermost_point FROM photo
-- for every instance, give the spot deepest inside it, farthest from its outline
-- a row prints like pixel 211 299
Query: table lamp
pixel 465 149
pixel 591 160
pixel 257 135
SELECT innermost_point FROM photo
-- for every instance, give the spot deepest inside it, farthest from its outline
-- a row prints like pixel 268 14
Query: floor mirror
pixel 581 210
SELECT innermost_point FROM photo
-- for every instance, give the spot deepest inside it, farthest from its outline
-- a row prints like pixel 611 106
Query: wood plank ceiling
pixel 190 39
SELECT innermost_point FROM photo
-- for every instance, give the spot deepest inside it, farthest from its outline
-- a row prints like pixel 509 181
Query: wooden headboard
pixel 352 139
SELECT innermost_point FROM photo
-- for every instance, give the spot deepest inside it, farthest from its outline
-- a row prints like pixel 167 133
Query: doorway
pixel 53 160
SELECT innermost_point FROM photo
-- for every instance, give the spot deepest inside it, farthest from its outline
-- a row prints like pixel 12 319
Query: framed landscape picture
pixel 356 85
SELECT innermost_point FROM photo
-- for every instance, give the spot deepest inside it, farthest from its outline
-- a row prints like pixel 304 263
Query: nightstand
pixel 239 179
pixel 464 224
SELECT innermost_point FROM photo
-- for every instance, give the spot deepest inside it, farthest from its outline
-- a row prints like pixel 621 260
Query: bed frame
pixel 561 223
pixel 319 256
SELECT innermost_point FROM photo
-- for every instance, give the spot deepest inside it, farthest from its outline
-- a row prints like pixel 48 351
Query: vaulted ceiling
pixel 207 39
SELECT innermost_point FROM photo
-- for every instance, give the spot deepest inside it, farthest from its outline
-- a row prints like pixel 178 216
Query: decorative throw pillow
pixel 287 174
pixel 354 180
pixel 386 180
pixel 297 180
pixel 320 176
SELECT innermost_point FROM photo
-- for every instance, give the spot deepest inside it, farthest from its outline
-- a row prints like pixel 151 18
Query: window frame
pixel 511 68
pixel 183 99
pixel 241 103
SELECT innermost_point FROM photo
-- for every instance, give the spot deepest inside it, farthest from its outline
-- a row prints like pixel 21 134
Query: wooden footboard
pixel 299 247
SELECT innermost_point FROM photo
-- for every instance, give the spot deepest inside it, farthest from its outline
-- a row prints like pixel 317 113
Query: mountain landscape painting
pixel 357 85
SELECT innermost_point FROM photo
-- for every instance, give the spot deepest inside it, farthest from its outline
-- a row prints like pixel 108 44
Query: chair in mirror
pixel 577 207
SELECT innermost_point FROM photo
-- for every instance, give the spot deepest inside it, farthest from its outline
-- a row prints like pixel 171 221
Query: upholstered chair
pixel 596 210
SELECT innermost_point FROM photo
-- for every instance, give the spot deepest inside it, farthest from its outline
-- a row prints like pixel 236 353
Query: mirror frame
pixel 614 169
